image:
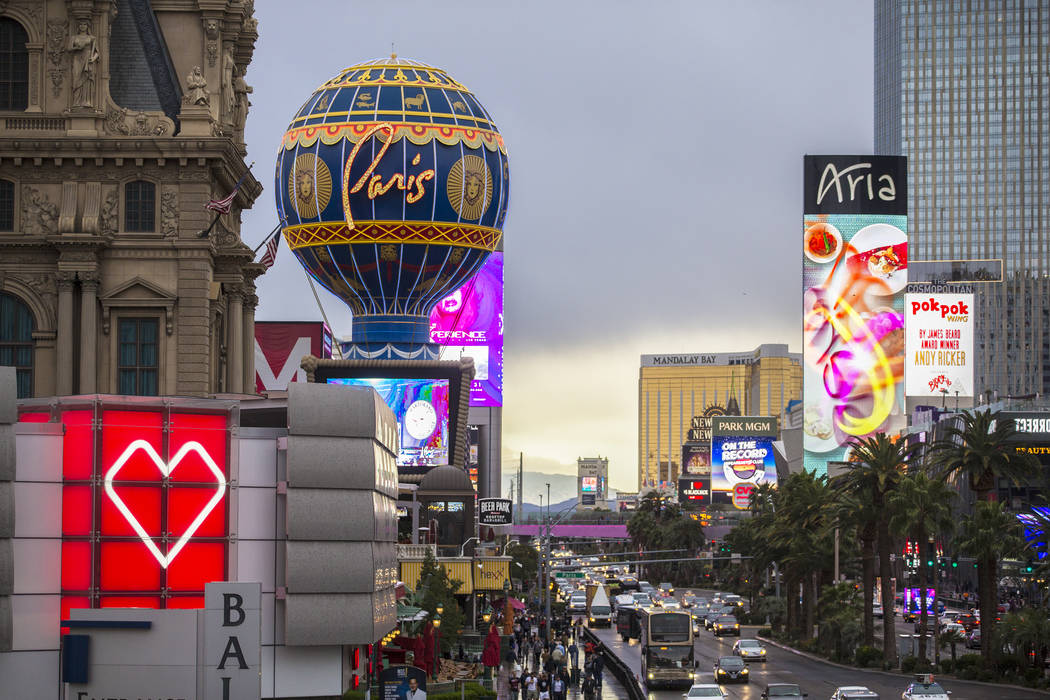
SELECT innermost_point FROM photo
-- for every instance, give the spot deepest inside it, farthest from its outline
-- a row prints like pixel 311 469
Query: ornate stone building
pixel 119 121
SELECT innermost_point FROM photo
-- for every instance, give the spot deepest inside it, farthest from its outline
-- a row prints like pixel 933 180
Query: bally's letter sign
pixel 494 511
pixel 232 641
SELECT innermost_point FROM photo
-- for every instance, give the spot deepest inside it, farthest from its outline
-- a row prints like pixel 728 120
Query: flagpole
pixel 206 232
pixel 267 238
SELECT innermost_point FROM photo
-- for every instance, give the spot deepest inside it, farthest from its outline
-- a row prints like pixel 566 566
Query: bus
pixel 667 648
pixel 627 622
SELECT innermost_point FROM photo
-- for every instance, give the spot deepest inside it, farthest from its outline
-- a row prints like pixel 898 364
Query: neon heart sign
pixel 165 468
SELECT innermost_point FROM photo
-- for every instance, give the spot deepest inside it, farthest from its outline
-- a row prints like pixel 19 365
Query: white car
pixel 924 691
pixel 876 610
pixel 750 650
pixel 854 692
pixel 705 690
pixel 578 603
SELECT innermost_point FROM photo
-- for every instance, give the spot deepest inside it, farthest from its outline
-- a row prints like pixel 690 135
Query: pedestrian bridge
pixel 595 531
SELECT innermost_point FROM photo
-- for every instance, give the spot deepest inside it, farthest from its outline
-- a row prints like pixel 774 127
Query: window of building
pixel 7 205
pixel 16 342
pixel 137 356
pixel 140 199
pixel 14 66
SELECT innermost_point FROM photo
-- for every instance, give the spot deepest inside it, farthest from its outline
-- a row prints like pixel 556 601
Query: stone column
pixel 88 332
pixel 235 345
pixel 250 302
pixel 65 342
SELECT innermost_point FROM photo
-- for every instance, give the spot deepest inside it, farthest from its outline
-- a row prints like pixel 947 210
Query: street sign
pixel 568 574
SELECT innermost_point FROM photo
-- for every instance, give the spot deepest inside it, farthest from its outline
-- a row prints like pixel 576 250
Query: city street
pixel 817 678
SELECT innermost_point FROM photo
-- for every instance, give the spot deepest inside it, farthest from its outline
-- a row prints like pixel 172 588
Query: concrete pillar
pixel 235 346
pixel 88 332
pixel 250 302
pixel 65 341
pixel 484 464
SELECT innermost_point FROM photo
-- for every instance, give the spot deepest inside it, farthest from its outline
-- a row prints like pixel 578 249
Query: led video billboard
pixel 422 410
pixel 589 484
pixel 912 599
pixel 940 344
pixel 855 274
pixel 469 323
pixel 741 453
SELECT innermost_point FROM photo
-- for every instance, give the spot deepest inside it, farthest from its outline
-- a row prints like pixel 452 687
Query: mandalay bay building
pixel 962 89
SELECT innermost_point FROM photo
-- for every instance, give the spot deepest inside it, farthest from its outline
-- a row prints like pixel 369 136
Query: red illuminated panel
pixel 144 504
pixel 71 602
pixel 198 563
pixel 208 431
pixel 34 417
pixel 78 445
pixel 120 430
pixel 190 602
pixel 76 511
pixel 76 566
pixel 128 566
pixel 113 601
pixel 186 503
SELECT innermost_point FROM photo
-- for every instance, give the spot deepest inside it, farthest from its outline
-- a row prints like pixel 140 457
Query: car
pixel 954 627
pixel 705 690
pixel 733 601
pixel 750 650
pixel 578 603
pixel 688 600
pixel 783 690
pixel 666 588
pixel 854 692
pixel 877 610
pixel 973 639
pixel 731 669
pixel 968 620
pixel 726 624
pixel 709 618
pixel 670 604
pixel 924 691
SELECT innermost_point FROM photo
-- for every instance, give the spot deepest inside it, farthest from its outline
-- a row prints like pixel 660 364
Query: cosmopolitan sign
pixel 939 344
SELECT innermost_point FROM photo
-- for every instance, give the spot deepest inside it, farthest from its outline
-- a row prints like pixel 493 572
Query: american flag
pixel 270 256
pixel 223 205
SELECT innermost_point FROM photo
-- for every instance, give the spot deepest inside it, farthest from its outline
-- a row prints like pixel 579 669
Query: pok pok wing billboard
pixel 469 323
pixel 855 274
pixel 940 344
pixel 741 457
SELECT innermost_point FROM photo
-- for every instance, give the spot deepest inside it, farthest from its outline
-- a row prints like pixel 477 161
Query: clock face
pixel 420 420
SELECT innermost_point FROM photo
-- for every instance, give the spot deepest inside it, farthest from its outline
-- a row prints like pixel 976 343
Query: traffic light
pixel 955 562
pixel 929 562
pixel 1028 567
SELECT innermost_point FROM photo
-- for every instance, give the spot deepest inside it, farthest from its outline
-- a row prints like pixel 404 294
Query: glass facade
pixel 672 390
pixel 962 89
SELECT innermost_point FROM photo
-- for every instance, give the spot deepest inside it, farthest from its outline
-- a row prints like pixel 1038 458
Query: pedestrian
pixel 599 666
pixel 558 688
pixel 588 688
pixel 543 687
pixel 533 686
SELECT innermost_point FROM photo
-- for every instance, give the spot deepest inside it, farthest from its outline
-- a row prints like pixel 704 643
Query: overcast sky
pixel 656 160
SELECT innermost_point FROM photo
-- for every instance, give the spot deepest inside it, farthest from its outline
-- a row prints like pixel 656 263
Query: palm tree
pixel 921 509
pixel 853 513
pixel 1028 632
pixel 877 469
pixel 978 449
pixel 990 535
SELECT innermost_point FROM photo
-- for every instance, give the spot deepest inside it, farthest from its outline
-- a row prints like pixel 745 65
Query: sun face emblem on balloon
pixel 469 187
pixel 309 186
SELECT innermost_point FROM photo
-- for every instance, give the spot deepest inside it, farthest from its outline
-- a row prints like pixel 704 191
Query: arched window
pixel 7 205
pixel 14 66
pixel 16 341
pixel 140 198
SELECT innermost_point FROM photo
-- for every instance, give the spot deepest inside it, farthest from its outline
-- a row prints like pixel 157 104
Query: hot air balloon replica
pixel 392 184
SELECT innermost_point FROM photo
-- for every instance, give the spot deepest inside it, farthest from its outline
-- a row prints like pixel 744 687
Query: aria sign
pixel 494 511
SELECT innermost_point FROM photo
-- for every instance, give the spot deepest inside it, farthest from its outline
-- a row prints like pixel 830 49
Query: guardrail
pixel 618 668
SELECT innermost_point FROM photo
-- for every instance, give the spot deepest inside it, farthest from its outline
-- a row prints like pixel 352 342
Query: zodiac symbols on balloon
pixel 364 100
pixel 415 102
pixel 459 106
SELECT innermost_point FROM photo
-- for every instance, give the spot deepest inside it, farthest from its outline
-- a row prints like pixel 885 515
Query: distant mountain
pixel 527 508
pixel 563 486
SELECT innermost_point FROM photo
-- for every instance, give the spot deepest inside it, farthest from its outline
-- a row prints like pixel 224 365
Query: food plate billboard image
pixel 741 453
pixel 469 323
pixel 855 274
pixel 940 344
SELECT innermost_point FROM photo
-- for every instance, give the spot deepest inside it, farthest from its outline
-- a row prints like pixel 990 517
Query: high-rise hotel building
pixel 675 389
pixel 962 89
